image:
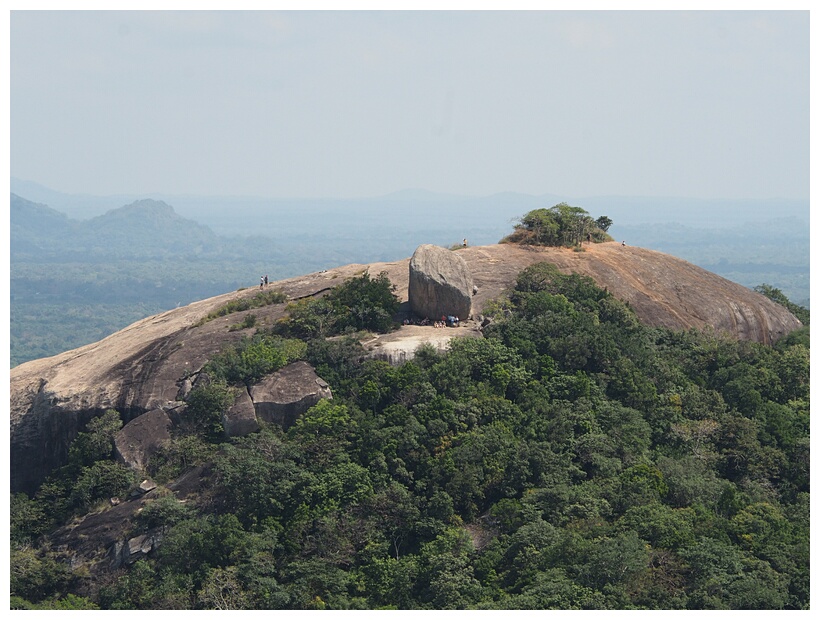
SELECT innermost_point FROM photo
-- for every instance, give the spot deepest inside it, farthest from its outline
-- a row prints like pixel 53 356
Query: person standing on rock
pixel 464 243
pixel 266 279
pixel 261 281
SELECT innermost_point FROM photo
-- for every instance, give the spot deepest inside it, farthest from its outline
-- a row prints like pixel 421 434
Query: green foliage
pixel 101 481
pixel 89 478
pixel 36 574
pixel 248 322
pixel 178 456
pixel 570 459
pixel 206 406
pixel 97 442
pixel 70 602
pixel 260 300
pixel 561 225
pixel 360 303
pixel 252 358
pixel 164 512
pixel 28 519
pixel 603 223
pixel 777 296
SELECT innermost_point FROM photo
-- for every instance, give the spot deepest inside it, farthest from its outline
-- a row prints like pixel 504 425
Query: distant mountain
pixel 35 227
pixel 77 206
pixel 142 229
pixel 330 217
pixel 155 228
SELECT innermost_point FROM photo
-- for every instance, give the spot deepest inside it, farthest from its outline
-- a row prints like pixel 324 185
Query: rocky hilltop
pixel 142 368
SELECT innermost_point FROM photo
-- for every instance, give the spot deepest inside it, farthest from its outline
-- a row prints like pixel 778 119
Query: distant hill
pixel 83 267
pixel 142 229
pixel 35 228
pixel 229 215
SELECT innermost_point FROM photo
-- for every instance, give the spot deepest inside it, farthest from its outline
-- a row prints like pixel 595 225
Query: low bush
pixel 361 303
pixel 248 322
pixel 260 300
pixel 252 358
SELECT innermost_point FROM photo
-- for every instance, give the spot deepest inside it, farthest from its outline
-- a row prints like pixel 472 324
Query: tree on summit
pixel 603 223
pixel 561 225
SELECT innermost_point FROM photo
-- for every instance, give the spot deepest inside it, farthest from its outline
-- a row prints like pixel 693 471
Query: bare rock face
pixel 286 394
pixel 240 419
pixel 440 283
pixel 125 553
pixel 141 437
pixel 400 346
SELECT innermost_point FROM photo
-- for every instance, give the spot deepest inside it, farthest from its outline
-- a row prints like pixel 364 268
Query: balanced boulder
pixel 142 437
pixel 440 283
pixel 289 392
pixel 240 418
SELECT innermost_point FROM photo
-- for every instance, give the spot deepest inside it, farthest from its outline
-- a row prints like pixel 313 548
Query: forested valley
pixel 573 458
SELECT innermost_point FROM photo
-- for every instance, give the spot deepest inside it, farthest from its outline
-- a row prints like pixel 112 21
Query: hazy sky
pixel 350 104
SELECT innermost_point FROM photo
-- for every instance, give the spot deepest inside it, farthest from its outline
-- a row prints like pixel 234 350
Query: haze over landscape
pixel 709 105
pixel 409 309
pixel 355 136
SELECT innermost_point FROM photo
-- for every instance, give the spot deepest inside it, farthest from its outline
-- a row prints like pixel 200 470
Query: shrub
pixel 260 300
pixel 248 322
pixel 561 225
pixel 101 481
pixel 179 455
pixel 777 296
pixel 361 303
pixel 252 358
pixel 164 512
pixel 206 404
pixel 97 442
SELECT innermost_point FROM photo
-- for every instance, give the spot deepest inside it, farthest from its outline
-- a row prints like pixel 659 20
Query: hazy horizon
pixel 709 105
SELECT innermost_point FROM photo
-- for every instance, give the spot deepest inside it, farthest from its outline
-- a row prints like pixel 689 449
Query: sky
pixel 348 104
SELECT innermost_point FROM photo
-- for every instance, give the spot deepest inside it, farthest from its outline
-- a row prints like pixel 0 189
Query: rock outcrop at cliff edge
pixel 440 283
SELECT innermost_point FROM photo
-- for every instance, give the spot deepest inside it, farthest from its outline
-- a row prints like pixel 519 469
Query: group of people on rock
pixel 446 321
pixel 263 281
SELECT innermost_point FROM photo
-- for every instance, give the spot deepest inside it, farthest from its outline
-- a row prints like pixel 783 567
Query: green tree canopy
pixel 561 225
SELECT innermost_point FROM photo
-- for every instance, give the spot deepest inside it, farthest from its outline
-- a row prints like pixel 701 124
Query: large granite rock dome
pixel 440 283
pixel 141 368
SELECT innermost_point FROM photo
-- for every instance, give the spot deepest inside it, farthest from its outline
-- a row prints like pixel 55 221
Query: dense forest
pixel 570 459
